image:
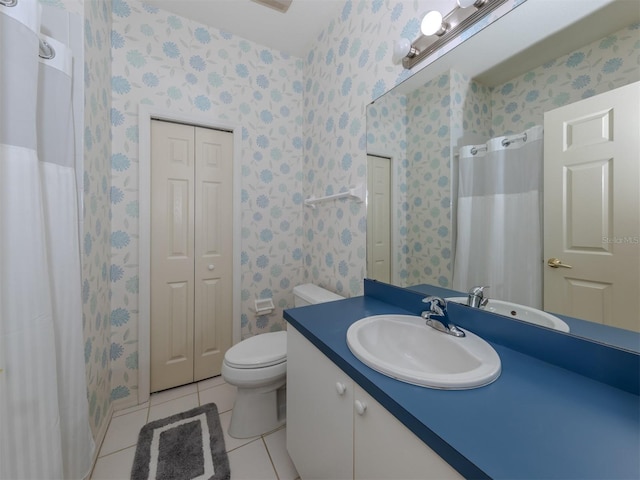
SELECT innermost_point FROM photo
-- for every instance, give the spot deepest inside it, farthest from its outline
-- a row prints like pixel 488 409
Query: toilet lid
pixel 258 351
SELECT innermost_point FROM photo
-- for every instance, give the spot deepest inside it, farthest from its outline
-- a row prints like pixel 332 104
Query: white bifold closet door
pixel 191 252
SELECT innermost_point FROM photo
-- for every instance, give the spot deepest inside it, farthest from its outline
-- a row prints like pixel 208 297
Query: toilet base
pixel 258 410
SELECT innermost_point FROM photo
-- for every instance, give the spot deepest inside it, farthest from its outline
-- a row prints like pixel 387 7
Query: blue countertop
pixel 537 420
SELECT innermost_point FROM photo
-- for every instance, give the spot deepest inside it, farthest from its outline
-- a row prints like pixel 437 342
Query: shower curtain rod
pixel 514 138
pixel 506 141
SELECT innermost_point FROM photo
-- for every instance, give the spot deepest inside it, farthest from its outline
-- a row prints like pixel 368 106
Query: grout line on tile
pixel 118 451
pixel 273 465
pixel 217 384
pixel 243 445
pixel 171 399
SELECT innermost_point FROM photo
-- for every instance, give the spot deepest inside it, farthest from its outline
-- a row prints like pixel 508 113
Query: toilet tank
pixel 310 294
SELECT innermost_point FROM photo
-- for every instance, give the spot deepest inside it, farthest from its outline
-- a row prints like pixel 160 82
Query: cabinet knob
pixel 341 388
pixel 212 266
pixel 361 407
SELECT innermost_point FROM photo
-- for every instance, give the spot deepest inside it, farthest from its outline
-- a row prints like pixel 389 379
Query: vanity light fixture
pixel 469 3
pixel 437 30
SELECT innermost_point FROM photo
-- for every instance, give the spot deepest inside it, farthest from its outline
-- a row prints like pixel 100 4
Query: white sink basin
pixel 405 348
pixel 521 312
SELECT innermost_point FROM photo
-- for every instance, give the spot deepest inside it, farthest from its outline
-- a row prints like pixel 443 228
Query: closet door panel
pixel 172 254
pixel 213 250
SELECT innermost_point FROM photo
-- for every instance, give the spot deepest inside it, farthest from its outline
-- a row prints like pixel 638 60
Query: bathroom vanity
pixel 563 407
pixel 328 412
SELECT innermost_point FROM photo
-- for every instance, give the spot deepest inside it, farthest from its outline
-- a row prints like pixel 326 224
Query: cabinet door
pixel 319 412
pixel 384 448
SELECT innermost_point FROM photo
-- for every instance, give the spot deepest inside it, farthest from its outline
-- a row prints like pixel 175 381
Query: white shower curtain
pixel 499 218
pixel 44 420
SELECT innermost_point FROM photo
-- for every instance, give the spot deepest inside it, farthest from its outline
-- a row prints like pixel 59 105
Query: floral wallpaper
pixel 166 60
pixel 428 148
pixel 96 294
pixel 96 247
pixel 471 111
pixel 609 63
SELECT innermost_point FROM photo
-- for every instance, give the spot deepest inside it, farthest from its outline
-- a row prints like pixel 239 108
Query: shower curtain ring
pixel 46 51
pixel 9 3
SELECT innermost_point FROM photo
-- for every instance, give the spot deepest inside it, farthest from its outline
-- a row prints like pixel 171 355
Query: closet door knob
pixel 341 388
pixel 212 266
pixel 361 407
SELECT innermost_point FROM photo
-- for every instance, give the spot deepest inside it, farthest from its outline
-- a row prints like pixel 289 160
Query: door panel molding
pixel 145 114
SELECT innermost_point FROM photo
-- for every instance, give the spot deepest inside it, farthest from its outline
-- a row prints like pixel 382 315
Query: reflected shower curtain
pixel 44 423
pixel 499 218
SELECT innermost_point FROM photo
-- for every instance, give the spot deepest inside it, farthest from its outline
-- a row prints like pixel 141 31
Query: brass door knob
pixel 557 263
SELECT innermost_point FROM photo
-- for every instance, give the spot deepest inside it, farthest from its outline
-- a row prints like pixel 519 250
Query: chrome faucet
pixel 476 297
pixel 438 318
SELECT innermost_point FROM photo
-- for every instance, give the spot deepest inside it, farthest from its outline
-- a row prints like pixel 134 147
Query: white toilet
pixel 258 367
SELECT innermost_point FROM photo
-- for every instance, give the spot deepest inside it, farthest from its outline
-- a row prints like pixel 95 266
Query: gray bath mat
pixel 186 446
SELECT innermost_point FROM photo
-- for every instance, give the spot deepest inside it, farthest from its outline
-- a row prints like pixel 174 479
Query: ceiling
pixel 293 32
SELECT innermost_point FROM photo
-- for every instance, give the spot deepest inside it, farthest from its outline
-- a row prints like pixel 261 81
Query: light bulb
pixel 432 24
pixel 401 48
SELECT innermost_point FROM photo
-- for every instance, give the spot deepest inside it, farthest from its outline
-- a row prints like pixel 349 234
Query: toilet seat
pixel 259 351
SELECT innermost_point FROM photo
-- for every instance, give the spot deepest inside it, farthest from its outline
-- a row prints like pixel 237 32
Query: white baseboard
pixel 102 432
pixel 124 403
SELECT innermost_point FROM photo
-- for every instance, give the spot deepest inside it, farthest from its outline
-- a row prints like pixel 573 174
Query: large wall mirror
pixel 540 57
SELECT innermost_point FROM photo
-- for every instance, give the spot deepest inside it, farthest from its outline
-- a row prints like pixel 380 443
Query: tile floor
pixel 259 458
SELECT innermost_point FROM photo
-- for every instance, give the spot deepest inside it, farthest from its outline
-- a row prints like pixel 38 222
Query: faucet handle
pixel 437 305
pixel 476 297
pixel 438 308
pixel 478 291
